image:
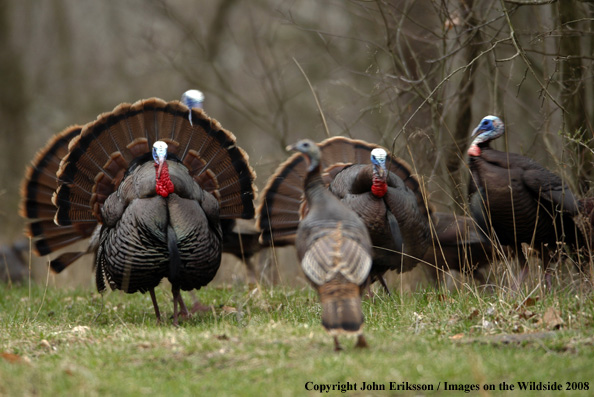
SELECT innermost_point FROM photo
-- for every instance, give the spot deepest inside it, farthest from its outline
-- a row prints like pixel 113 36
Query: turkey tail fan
pixel 36 206
pixel 280 211
pixel 212 150
pixel 341 307
pixel 282 205
pixel 100 155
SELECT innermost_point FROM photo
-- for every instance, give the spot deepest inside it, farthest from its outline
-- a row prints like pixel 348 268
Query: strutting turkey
pixel 334 248
pixel 150 183
pixel 378 187
pixel 515 199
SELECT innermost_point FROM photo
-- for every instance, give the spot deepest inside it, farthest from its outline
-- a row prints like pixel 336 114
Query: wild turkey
pixel 150 183
pixel 515 199
pixel 379 188
pixel 334 249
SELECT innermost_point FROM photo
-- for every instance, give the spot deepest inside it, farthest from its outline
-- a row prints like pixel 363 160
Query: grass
pixel 270 342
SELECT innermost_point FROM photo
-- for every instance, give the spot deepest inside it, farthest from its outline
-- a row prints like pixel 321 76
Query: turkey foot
pixel 361 342
pixel 155 305
pixel 337 346
pixel 183 310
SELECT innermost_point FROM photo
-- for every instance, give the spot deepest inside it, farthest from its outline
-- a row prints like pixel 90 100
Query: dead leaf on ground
pixel 457 336
pixel 11 357
pixel 530 301
pixel 526 314
pixel 45 344
pixel 551 319
pixel 229 309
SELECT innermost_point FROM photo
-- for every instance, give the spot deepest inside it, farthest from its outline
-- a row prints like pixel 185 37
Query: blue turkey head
pixel 489 128
pixel 194 99
pixel 378 159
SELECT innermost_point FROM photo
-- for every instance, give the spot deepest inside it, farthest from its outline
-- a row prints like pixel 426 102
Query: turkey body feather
pixel 520 199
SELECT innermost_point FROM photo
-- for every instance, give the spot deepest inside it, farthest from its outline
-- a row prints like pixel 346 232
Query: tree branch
pixel 522 53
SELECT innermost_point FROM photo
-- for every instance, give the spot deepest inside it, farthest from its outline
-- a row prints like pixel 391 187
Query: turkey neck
pixel 476 148
pixel 314 185
pixel 379 187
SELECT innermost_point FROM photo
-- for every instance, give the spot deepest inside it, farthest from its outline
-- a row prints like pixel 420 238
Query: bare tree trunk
pixel 13 111
pixel 573 95
pixel 463 114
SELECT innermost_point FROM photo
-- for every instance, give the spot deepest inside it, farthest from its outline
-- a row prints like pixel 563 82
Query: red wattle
pixel 379 188
pixel 474 151
pixel 164 186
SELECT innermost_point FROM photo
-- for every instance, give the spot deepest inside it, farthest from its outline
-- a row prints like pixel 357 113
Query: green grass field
pixel 270 342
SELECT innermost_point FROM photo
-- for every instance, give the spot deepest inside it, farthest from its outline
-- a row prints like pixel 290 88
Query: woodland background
pixel 414 76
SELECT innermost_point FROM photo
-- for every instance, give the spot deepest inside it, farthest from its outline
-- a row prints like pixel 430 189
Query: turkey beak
pixel 290 148
pixel 476 131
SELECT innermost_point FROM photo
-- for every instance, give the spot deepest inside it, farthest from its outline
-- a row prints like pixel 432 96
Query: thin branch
pixel 313 92
pixel 442 82
pixel 525 58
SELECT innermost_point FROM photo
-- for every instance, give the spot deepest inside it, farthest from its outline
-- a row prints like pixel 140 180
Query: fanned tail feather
pixel 280 210
pixel 65 260
pixel 36 206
